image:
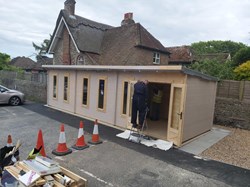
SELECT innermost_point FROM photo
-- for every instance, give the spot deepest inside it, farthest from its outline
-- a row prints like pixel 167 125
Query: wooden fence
pixel 234 89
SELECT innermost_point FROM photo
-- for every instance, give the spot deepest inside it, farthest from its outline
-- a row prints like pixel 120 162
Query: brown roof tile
pixel 180 54
pixel 147 40
pixel 23 62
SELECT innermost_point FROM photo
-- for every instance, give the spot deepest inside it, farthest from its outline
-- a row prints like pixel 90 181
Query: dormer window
pixel 156 58
pixel 81 60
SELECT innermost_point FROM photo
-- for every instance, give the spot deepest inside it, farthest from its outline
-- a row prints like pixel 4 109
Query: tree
pixel 214 68
pixel 242 72
pixel 4 61
pixel 216 46
pixel 241 56
pixel 42 49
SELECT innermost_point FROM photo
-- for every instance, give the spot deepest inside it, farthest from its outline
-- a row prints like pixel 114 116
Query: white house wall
pixel 107 115
pixel 58 102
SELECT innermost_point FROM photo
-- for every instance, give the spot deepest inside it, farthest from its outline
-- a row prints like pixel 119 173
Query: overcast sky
pixel 172 22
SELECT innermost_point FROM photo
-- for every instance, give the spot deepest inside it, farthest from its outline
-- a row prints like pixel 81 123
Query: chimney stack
pixel 128 19
pixel 69 6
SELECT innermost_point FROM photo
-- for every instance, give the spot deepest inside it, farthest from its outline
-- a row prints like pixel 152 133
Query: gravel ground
pixel 234 149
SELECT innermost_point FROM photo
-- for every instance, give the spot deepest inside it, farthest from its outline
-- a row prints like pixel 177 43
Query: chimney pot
pixel 128 19
pixel 128 16
pixel 69 6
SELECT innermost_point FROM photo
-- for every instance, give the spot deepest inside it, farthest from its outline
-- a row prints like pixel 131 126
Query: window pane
pixel 101 94
pixel 156 58
pixel 54 86
pixel 125 98
pixel 65 95
pixel 176 108
pixel 85 91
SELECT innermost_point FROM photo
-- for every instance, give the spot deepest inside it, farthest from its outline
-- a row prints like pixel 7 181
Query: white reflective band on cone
pixel 62 138
pixel 80 133
pixel 95 130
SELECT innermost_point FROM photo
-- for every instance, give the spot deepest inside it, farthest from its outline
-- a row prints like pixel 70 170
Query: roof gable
pixel 147 40
pixel 86 34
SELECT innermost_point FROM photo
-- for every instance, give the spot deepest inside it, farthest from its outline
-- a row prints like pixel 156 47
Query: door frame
pixel 131 84
pixel 173 134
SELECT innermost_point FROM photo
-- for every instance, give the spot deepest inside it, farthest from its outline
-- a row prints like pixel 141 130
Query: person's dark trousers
pixel 138 105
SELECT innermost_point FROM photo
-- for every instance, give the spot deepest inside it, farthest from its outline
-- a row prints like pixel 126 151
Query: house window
pixel 125 97
pixel 54 86
pixel 101 94
pixel 81 60
pixel 156 58
pixel 85 91
pixel 66 88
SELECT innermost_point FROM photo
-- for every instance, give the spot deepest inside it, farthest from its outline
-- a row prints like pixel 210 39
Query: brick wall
pixel 232 112
pixel 66 48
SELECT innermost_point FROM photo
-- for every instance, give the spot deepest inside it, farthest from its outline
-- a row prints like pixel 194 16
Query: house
pixel 180 55
pixel 23 63
pixel 95 67
pixel 183 55
pixel 79 41
pixel 28 65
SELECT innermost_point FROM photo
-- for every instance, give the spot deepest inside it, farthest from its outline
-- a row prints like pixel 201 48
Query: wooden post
pixel 241 90
pixel 228 90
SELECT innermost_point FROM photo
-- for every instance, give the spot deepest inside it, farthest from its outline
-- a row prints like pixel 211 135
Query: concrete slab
pixel 205 141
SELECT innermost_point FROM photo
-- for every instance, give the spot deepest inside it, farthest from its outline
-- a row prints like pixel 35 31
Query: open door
pixel 175 121
pixel 129 105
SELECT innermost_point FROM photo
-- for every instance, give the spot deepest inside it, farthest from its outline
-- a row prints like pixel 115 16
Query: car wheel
pixel 14 101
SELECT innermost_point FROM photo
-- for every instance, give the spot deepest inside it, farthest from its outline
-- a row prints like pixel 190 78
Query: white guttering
pixel 115 68
pixel 132 68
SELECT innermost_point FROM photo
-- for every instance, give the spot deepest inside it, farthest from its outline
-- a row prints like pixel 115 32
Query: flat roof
pixel 133 68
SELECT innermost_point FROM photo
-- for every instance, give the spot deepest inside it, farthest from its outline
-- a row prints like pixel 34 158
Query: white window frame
pixel 156 58
pixel 87 104
pixel 104 94
pixel 54 87
pixel 68 88
pixel 124 98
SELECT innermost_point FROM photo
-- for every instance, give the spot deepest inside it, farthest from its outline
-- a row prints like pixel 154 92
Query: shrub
pixel 242 72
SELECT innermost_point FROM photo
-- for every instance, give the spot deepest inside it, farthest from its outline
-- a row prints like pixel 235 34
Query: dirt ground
pixel 234 149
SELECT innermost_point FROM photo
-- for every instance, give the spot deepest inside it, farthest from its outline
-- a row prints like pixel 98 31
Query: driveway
pixel 115 162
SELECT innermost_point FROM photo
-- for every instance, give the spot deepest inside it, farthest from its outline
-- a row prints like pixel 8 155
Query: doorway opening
pixel 157 117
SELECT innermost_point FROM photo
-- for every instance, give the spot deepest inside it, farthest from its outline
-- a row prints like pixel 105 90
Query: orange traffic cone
pixel 80 144
pixel 9 141
pixel 40 143
pixel 95 136
pixel 62 147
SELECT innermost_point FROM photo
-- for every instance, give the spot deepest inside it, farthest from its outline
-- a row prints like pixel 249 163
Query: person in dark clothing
pixel 139 103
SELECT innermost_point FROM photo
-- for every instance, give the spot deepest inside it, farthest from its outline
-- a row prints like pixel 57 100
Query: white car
pixel 12 97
